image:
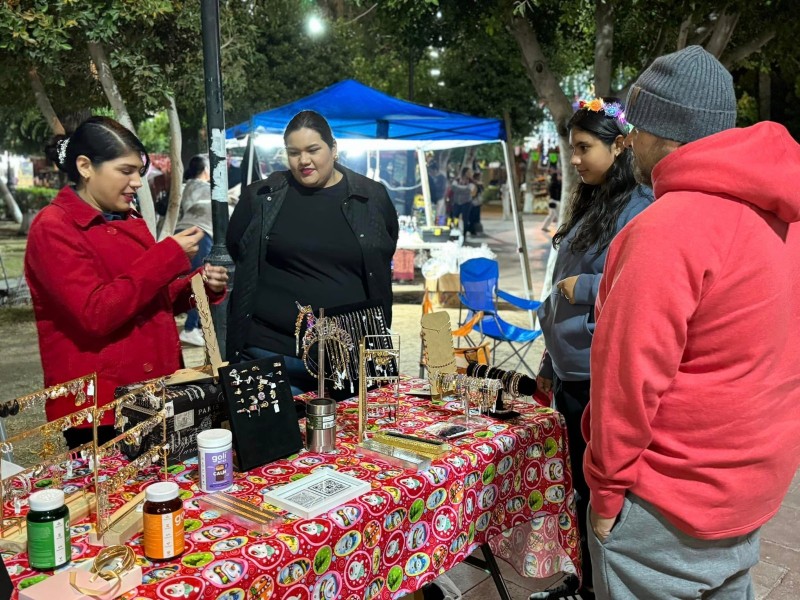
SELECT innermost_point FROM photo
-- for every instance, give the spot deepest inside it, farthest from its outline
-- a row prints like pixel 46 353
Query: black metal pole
pixel 215 116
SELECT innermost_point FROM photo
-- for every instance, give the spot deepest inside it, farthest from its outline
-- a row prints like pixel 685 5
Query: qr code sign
pixel 329 487
pixel 305 499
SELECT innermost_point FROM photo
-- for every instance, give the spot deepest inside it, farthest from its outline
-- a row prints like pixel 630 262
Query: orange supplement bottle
pixel 163 521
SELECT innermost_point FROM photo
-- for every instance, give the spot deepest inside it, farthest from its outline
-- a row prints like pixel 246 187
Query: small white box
pixel 317 493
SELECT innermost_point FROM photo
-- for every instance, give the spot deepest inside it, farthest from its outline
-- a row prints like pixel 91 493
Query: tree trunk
pixel 176 174
pixel 544 81
pixel 43 102
pixel 469 158
pixel 683 32
pixel 603 47
pixel 114 96
pixel 12 208
pixel 549 91
pixel 190 143
pixel 444 159
pixel 723 30
pixel 764 95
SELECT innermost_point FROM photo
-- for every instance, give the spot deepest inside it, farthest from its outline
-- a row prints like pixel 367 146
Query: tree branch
pixel 43 102
pixel 544 81
pixel 683 32
pixel 721 35
pixel 741 52
pixel 701 33
pixel 603 46
pixel 366 12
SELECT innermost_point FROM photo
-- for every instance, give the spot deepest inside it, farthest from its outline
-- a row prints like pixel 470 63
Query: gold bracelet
pixel 101 566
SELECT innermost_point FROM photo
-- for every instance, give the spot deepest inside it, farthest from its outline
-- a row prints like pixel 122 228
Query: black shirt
pixel 313 258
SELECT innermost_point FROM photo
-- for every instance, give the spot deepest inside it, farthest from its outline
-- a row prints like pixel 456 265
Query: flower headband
pixel 615 110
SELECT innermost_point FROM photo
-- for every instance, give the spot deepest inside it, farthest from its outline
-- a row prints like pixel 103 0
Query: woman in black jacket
pixel 317 234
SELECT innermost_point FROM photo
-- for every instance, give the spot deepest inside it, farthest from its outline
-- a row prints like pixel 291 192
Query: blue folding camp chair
pixel 479 293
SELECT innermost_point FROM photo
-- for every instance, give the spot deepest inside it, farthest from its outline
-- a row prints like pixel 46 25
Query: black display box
pixel 191 408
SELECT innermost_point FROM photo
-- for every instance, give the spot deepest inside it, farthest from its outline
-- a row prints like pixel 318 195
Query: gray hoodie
pixel 568 328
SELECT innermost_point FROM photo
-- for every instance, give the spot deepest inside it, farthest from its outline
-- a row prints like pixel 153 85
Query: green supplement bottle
pixel 48 531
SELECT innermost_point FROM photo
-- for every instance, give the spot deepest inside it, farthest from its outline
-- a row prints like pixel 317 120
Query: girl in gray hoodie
pixel 605 200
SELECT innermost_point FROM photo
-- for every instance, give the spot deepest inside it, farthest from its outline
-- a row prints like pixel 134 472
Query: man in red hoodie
pixel 693 428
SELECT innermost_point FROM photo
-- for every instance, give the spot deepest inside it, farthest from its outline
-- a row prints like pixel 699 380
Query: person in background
pixel 554 192
pixel 463 190
pixel 693 428
pixel 438 190
pixel 318 234
pixel 104 292
pixel 475 225
pixel 605 200
pixel 196 212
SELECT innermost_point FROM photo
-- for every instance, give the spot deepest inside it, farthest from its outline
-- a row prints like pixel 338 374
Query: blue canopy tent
pixel 355 111
pixel 358 112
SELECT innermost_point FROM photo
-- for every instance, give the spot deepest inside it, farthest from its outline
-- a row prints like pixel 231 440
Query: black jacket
pixel 368 211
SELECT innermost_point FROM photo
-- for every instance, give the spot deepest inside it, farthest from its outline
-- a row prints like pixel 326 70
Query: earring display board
pixel 209 333
pixel 437 346
pixel 261 411
pixel 38 452
pixel 358 320
pixel 374 359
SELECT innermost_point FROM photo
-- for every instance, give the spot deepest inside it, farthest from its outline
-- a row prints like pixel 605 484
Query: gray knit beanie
pixel 683 96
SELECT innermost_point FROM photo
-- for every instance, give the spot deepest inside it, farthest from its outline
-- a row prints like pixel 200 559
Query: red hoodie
pixel 695 401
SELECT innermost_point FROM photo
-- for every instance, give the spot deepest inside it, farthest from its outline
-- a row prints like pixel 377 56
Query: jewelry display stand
pixel 357 320
pixel 472 392
pixel 378 356
pixel 45 456
pixel 437 347
pixel 333 348
pixel 261 411
pixel 514 385
pixel 150 432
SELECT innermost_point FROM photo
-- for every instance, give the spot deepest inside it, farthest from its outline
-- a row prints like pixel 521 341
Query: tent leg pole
pixel 522 246
pixel 426 188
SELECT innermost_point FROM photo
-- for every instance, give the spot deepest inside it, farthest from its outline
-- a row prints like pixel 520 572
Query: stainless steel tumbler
pixel 321 425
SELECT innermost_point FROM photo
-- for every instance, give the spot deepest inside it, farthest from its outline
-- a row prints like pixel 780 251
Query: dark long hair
pixel 197 165
pixel 310 119
pixel 599 206
pixel 100 139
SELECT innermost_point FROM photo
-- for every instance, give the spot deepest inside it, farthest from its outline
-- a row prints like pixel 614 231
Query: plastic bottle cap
pixel 161 492
pixel 46 500
pixel 214 438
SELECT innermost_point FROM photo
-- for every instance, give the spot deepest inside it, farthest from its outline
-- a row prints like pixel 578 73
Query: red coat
pixel 105 295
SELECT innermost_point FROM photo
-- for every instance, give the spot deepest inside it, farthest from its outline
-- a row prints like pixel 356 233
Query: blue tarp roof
pixel 355 110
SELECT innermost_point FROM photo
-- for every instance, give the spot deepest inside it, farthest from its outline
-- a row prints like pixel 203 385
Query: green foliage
pixel 154 133
pixel 34 198
pixel 746 110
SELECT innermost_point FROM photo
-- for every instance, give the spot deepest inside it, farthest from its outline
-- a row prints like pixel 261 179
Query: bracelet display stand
pixel 472 392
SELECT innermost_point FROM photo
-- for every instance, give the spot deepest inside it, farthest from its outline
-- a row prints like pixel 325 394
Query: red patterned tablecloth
pixel 508 483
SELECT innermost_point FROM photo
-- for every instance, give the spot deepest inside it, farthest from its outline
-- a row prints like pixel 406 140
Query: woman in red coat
pixel 104 292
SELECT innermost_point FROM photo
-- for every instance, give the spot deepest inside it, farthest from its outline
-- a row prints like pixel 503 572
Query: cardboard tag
pixel 209 334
